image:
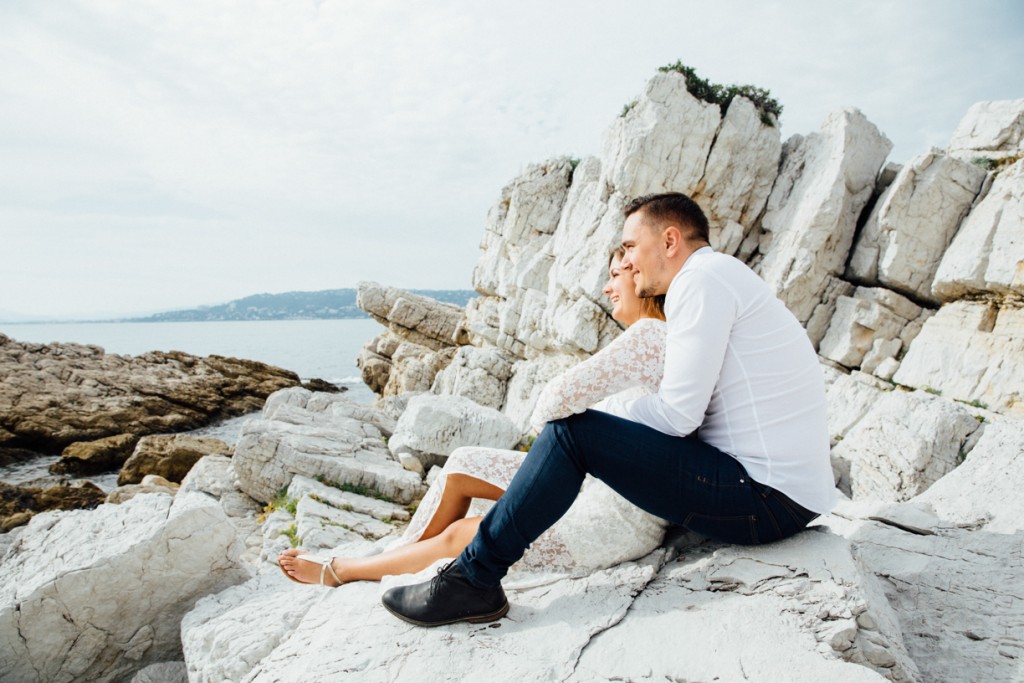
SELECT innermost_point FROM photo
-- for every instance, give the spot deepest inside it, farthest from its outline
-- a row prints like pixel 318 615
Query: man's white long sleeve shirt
pixel 742 374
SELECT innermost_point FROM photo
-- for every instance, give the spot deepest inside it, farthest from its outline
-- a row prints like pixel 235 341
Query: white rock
pixel 913 223
pixel 870 315
pixel 98 595
pixel 661 143
pixel 850 397
pixel 437 425
pixel 416 318
pixel 987 254
pixel 971 352
pixel 731 597
pixel 956 596
pixel 990 129
pixel 320 526
pixel 225 635
pixel 985 489
pixel 904 444
pixel 214 476
pixel 740 172
pixel 335 448
pixel 811 216
pixel 345 500
pixel 528 380
pixel 479 374
pixel 164 672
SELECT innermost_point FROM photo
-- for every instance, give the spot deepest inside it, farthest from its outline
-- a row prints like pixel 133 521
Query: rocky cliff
pixel 909 281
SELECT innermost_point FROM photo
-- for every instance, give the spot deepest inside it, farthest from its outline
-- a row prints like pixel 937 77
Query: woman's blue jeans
pixel 680 479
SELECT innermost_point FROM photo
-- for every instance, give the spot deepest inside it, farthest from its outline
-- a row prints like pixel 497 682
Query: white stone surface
pixel 800 610
pixel 863 322
pixel 985 490
pixel 971 352
pixel 956 594
pixel 904 444
pixel 661 143
pixel 437 425
pixel 914 222
pixel 740 172
pixel 480 374
pixel 416 318
pixel 164 672
pixel 826 180
pixel 292 440
pixel 987 255
pixel 990 129
pixel 97 595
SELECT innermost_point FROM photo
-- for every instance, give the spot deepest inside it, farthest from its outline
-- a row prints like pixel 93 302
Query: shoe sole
pixel 481 619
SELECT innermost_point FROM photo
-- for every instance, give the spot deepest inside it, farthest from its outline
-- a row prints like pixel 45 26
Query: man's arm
pixel 701 311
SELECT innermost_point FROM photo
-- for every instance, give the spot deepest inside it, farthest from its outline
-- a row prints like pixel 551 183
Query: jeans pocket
pixel 738 529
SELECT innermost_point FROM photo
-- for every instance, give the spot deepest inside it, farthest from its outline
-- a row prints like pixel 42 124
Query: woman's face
pixel 621 289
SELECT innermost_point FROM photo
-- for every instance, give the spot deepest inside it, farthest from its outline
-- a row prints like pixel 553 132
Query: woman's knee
pixel 459 533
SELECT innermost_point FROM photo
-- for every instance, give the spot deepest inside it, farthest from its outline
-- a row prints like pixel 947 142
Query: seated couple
pixel 731 441
pixel 602 529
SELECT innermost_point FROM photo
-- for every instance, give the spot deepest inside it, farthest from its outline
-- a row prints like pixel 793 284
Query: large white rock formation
pixel 96 595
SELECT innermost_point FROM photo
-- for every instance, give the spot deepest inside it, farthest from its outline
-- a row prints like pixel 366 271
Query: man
pixel 734 445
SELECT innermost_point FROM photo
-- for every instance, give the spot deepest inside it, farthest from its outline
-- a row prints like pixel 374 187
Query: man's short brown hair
pixel 672 207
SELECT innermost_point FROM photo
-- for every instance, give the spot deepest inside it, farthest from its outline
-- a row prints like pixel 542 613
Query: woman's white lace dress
pixel 601 528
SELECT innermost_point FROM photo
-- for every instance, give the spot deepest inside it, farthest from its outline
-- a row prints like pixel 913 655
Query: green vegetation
pixel 932 391
pixel 356 489
pixel 626 108
pixel 722 95
pixel 293 536
pixel 526 444
pixel 282 502
pixel 997 165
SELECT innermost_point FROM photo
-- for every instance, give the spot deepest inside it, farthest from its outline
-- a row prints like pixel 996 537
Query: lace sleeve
pixel 635 358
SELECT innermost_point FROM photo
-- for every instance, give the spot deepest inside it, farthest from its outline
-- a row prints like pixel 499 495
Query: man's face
pixel 645 254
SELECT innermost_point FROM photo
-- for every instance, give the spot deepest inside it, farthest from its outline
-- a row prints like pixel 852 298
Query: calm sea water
pixel 324 349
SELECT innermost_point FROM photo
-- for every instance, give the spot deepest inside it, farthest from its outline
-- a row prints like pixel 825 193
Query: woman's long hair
pixel 650 307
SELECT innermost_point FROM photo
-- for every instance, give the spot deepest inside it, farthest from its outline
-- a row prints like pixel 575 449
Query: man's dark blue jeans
pixel 680 479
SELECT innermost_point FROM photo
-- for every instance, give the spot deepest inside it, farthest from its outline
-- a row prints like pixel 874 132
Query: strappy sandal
pixel 325 566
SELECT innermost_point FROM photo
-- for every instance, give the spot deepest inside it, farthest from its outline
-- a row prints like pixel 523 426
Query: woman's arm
pixel 635 358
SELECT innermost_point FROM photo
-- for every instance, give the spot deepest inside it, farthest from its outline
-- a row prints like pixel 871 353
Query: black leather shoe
pixel 445 599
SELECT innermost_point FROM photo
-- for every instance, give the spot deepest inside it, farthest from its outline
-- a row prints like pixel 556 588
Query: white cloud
pixel 205 150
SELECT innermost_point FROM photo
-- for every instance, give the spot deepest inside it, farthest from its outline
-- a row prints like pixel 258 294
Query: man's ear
pixel 672 238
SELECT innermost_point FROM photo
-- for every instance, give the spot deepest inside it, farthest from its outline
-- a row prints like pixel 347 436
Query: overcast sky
pixel 158 155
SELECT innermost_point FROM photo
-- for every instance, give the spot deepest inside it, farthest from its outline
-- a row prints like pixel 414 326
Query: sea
pixel 321 349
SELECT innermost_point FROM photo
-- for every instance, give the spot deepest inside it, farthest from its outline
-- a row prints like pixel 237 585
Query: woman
pixel 601 529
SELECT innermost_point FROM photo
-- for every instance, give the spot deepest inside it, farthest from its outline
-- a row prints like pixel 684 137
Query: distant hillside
pixel 324 305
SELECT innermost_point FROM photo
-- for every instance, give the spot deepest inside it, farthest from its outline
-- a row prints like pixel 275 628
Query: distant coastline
pixel 328 304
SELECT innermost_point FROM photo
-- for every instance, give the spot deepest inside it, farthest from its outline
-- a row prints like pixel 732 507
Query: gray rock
pixel 315 441
pixel 437 425
pixel 904 444
pixel 971 352
pixel 99 595
pixel 826 180
pixel 914 222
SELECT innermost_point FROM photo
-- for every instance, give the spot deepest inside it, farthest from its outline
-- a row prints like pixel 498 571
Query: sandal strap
pixel 329 567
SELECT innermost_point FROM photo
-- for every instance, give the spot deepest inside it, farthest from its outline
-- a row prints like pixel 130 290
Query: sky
pixel 162 155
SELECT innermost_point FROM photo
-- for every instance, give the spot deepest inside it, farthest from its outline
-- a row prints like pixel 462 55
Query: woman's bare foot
pixel 309 570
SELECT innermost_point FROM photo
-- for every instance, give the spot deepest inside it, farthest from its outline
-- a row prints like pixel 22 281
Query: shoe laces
pixel 438 579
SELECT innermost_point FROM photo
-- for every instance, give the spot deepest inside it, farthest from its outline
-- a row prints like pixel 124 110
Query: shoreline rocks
pixel 54 395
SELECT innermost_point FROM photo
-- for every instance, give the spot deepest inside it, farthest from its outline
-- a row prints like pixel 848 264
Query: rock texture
pixel 100 610
pixel 319 436
pixel 54 395
pixel 913 223
pixel 19 503
pixel 168 456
